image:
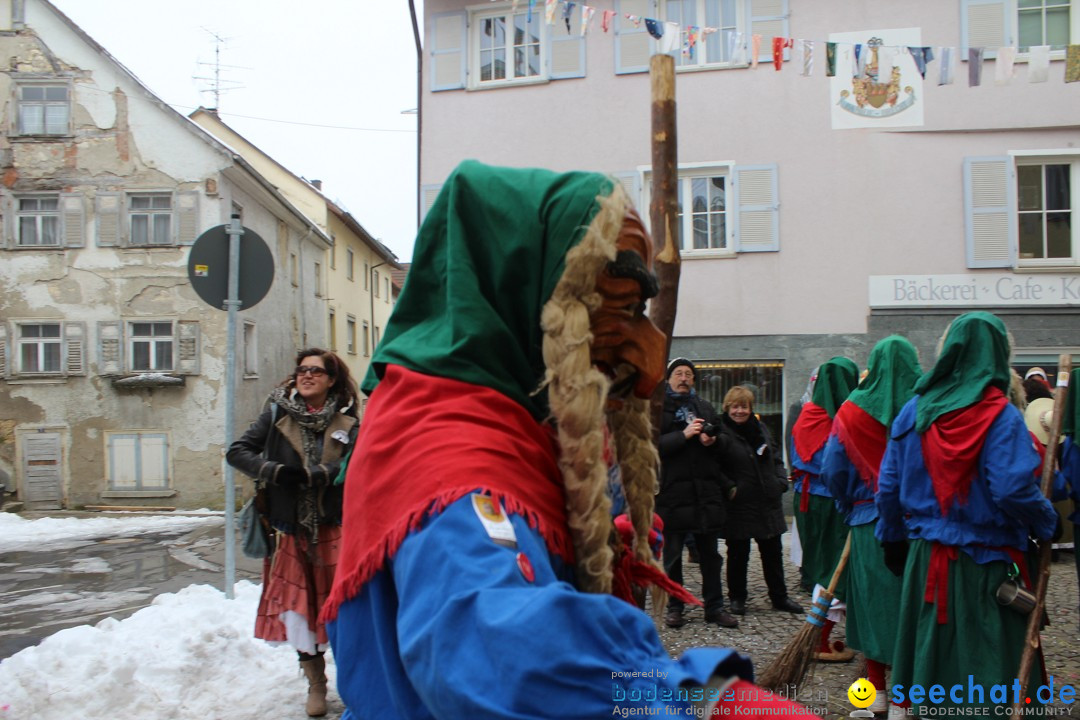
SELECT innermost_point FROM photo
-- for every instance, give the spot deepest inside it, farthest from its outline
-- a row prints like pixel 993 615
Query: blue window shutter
pixel 633 45
pixel 990 212
pixel 631 182
pixel 769 19
pixel 449 47
pixel 566 50
pixel 756 204
pixel 428 193
pixel 987 24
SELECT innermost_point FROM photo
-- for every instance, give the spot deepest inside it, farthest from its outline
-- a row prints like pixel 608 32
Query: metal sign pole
pixel 232 305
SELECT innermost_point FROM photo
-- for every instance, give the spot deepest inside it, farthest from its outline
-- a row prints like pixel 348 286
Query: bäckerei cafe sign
pixel 983 290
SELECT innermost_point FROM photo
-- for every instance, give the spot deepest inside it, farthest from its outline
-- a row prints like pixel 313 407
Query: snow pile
pixel 190 654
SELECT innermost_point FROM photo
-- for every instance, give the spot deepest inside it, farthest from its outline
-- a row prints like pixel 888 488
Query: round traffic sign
pixel 208 267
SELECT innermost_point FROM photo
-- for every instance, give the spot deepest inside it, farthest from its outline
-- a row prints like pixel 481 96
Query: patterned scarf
pixel 312 426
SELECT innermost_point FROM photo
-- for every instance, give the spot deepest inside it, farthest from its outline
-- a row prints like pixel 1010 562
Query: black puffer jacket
pixel 750 458
pixel 284 446
pixel 693 490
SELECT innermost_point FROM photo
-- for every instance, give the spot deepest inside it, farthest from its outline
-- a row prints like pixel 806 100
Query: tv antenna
pixel 218 85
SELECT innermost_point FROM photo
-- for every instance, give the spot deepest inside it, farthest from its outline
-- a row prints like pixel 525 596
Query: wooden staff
pixel 664 211
pixel 1032 643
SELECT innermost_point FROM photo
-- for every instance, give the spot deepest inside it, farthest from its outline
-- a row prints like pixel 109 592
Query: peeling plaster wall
pixel 122 140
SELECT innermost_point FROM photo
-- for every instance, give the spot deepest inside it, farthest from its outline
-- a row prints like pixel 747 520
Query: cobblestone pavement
pixel 764 632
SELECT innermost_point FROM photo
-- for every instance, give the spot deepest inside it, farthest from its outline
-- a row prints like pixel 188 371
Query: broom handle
pixel 1032 642
pixel 839 568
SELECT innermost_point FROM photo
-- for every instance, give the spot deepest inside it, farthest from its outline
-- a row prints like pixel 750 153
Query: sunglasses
pixel 313 370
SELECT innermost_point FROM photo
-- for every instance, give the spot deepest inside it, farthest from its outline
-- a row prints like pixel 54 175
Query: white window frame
pixel 366 339
pixel 1073 29
pixel 350 260
pixel 350 334
pixel 375 282
pixel 477 18
pixel 251 349
pixel 42 342
pixel 387 280
pixel 152 215
pixel 996 23
pixel 152 342
pixel 1074 209
pixel 39 216
pixel 318 280
pixel 332 322
pixel 60 125
pixel 687 174
pixel 144 450
pixel 367 272
pixel 699 60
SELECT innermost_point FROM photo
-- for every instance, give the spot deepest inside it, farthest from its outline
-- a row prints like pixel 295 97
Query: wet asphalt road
pixel 44 592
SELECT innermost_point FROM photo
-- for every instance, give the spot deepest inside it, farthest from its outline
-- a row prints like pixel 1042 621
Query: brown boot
pixel 315 670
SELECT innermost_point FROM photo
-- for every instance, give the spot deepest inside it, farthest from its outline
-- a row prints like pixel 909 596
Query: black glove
pixel 895 556
pixel 291 475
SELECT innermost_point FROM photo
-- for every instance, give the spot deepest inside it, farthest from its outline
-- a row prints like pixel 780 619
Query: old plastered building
pixel 112 370
pixel 359 286
pixel 818 213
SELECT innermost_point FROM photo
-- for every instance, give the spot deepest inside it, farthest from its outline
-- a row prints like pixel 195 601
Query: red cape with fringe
pixel 864 440
pixel 952 443
pixel 811 431
pixel 427 441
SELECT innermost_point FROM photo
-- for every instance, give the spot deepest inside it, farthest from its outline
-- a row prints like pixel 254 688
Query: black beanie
pixel 679 362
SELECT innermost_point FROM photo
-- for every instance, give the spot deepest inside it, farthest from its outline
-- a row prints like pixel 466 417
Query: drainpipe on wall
pixel 419 104
pixel 372 279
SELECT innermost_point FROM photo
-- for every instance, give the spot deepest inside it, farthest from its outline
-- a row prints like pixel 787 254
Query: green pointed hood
pixel 1071 421
pixel 836 379
pixel 891 373
pixel 974 356
pixel 487 258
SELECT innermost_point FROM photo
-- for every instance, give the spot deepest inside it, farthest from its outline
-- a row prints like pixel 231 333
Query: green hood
pixel 487 258
pixel 1071 421
pixel 891 373
pixel 975 355
pixel 836 379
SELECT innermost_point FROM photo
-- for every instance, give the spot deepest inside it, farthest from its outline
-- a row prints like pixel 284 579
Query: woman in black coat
pixel 751 459
pixel 294 451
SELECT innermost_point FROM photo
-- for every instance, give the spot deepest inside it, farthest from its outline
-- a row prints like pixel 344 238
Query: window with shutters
pixel 505 43
pixel 1020 210
pixel 681 28
pixel 44 221
pixel 350 335
pixel 42 348
pixel 723 209
pixel 138 460
pixel 1023 24
pixel 44 109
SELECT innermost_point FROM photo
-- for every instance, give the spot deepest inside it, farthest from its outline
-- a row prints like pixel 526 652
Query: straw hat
pixel 1038 417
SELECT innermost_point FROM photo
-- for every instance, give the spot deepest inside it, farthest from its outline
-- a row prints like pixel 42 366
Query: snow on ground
pixel 190 655
pixel 18 533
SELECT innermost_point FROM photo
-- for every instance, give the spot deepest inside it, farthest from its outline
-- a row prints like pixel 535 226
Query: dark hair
pixel 1035 388
pixel 343 388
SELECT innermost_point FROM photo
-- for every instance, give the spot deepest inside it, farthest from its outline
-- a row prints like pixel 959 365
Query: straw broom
pixel 791 665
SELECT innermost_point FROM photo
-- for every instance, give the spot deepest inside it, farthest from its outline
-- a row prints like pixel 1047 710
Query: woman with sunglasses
pixel 294 451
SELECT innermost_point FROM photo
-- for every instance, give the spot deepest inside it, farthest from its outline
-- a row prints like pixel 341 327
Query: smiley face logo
pixel 862 693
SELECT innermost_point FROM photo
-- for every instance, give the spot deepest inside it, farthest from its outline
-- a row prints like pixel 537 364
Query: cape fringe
pixel 557 541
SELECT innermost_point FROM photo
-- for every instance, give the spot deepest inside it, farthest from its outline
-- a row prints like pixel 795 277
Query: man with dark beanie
pixel 693 492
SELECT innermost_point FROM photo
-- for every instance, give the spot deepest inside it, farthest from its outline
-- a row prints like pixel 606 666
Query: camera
pixel 710 429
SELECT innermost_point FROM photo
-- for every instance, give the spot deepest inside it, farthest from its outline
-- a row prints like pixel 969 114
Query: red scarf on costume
pixel 811 431
pixel 952 443
pixel 864 440
pixel 427 441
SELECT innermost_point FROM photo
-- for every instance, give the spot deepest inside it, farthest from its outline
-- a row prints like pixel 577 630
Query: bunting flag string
pixel 671 36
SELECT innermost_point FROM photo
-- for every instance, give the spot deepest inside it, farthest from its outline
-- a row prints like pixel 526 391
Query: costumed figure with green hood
pixel 822 531
pixel 958 497
pixel 481 575
pixel 1070 457
pixel 850 469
